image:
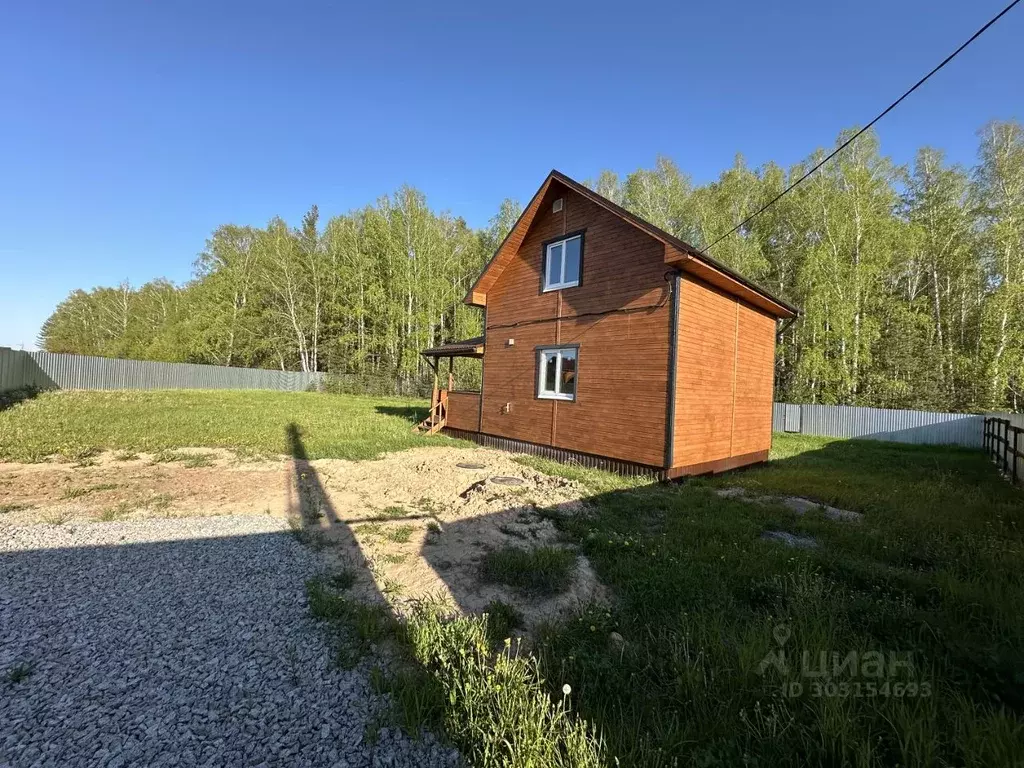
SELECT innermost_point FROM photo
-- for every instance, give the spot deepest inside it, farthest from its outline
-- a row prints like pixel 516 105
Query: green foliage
pixel 76 424
pixel 375 385
pixel 669 672
pixel 399 535
pixel 502 618
pixel 544 571
pixel 360 294
pixel 444 675
pixel 494 707
pixel 76 493
pixel 911 280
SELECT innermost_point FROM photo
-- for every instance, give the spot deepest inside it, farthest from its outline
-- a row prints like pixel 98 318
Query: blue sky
pixel 130 130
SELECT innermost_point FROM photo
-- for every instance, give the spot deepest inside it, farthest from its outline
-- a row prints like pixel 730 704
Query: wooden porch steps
pixel 438 415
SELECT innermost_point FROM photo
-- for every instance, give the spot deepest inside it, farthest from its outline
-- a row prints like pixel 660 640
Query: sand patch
pixel 409 525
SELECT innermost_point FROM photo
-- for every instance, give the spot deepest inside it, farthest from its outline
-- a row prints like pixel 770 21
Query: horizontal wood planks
pixel 509 378
pixel 724 370
pixel 755 371
pixel 621 401
pixel 463 410
pixel 705 364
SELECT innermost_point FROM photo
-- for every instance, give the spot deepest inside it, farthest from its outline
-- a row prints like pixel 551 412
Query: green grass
pixel 76 493
pixel 933 574
pixel 399 535
pixel 502 618
pixel 187 458
pixel 342 580
pixel 76 425
pixel 544 571
pixel 670 671
pixel 446 676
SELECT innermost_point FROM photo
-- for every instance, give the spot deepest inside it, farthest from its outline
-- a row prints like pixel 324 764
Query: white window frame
pixel 562 283
pixel 542 365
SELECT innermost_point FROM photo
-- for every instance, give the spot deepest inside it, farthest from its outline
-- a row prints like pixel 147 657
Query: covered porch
pixel 449 406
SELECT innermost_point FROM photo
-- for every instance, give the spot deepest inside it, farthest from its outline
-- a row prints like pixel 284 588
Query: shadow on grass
pixel 448 672
pixel 670 672
pixel 11 397
pixel 355 611
pixel 411 413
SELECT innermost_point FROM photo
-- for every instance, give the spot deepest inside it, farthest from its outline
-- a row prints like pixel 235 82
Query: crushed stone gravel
pixel 178 642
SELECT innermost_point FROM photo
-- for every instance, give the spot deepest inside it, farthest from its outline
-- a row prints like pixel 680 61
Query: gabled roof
pixel 677 253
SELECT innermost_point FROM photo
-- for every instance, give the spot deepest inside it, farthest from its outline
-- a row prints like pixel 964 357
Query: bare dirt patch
pixel 191 482
pixel 410 525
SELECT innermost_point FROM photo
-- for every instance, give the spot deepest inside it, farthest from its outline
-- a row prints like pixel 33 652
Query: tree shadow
pixel 316 522
pixel 682 556
pixel 411 413
pixel 11 397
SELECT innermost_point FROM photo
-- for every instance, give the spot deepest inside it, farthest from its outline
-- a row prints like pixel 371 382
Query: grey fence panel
pixel 918 427
pixel 779 417
pixel 50 370
pixel 794 418
pixel 18 369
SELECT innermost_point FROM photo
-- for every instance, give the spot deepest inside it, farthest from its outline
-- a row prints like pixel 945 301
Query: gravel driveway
pixel 176 642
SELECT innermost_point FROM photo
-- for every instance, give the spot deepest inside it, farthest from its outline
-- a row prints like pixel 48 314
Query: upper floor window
pixel 562 262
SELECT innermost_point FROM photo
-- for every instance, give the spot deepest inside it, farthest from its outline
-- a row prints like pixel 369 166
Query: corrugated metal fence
pixel 48 370
pixel 919 427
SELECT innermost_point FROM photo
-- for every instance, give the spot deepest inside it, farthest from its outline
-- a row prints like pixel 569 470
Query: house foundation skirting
pixel 625 468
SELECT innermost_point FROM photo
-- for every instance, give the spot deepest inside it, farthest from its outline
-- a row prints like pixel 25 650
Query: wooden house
pixel 611 342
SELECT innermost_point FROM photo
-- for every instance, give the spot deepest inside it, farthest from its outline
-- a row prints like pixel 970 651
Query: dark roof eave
pixel 467 348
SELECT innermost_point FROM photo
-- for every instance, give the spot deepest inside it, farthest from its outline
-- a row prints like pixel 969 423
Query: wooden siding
pixel 724 371
pixel 676 253
pixel 755 371
pixel 622 399
pixel 463 410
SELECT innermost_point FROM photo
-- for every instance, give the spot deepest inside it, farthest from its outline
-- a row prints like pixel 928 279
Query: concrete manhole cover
pixel 470 465
pixel 502 480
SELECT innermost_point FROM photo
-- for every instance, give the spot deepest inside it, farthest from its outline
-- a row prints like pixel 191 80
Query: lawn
pixel 930 582
pixel 898 639
pixel 73 424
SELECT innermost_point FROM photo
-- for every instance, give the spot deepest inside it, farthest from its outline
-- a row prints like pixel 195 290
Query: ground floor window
pixel 556 373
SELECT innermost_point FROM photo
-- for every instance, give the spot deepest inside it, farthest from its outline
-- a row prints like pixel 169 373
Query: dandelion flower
pixel 566 689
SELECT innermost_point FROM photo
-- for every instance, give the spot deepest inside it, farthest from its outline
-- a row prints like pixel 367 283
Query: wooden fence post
pixel 1006 445
pixel 1016 435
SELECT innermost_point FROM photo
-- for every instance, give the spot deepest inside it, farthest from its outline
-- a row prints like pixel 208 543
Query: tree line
pixel 910 278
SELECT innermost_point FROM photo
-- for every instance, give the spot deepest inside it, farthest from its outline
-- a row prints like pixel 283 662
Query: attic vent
pixel 557 206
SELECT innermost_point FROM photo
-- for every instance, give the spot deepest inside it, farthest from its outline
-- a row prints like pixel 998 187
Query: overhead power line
pixel 867 127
